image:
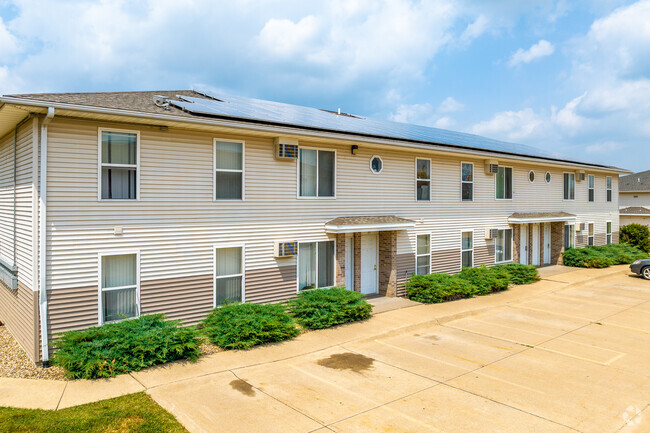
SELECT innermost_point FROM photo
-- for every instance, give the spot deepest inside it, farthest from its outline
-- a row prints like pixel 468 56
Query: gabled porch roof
pixel 367 224
pixel 540 217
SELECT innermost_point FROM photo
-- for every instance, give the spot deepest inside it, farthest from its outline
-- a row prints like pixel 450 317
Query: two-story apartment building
pixel 119 204
pixel 634 198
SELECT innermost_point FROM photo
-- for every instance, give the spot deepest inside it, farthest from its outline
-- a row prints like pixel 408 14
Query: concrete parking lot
pixel 572 353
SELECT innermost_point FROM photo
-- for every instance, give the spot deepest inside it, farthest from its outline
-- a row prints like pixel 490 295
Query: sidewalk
pixel 50 394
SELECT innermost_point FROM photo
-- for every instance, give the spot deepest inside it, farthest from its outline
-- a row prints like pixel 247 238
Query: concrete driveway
pixel 570 353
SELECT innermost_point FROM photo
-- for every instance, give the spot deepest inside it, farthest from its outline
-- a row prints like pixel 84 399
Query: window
pixel 228 170
pixel 503 246
pixel 590 235
pixel 119 165
pixel 591 186
pixel 315 265
pixel 531 176
pixel 467 181
pixel 569 186
pixel 467 249
pixel 423 255
pixel 423 179
pixel 609 232
pixel 609 188
pixel 547 177
pixel 569 236
pixel 504 183
pixel 119 287
pixel 316 173
pixel 228 274
pixel 376 164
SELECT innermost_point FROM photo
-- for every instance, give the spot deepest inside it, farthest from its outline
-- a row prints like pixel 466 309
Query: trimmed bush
pixel 486 280
pixel 520 274
pixel 636 235
pixel 242 326
pixel 322 308
pixel 435 288
pixel 122 347
pixel 602 256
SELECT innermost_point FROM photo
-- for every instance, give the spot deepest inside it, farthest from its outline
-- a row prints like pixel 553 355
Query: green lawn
pixel 136 413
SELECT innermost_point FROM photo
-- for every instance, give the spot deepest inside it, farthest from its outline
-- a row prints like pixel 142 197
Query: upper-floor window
pixel 467 181
pixel 569 186
pixel 591 186
pixel 504 183
pixel 228 170
pixel 119 164
pixel 423 179
pixel 609 188
pixel 119 287
pixel 316 173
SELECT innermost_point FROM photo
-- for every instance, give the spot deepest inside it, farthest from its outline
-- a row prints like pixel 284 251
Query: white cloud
pixel 475 29
pixel 511 125
pixel 450 105
pixel 8 43
pixel 541 49
pixel 427 114
pixel 607 147
pixel 285 38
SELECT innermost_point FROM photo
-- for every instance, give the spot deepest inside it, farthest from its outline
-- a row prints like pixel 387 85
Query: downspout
pixel 42 246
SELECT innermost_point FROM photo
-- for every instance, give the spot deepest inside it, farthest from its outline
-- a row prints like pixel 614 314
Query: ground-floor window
pixel 423 255
pixel 315 265
pixel 119 287
pixel 503 246
pixel 609 232
pixel 569 236
pixel 590 234
pixel 467 249
pixel 228 274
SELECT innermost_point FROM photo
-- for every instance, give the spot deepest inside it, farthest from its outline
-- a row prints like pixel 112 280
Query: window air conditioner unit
pixel 580 175
pixel 491 233
pixel 491 166
pixel 286 249
pixel 286 148
pixel 580 227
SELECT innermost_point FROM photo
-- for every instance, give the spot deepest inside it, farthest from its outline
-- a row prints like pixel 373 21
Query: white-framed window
pixel 119 158
pixel 228 274
pixel 569 186
pixel 467 249
pixel 376 164
pixel 119 286
pixel 316 173
pixel 316 265
pixel 590 234
pixel 503 183
pixel 423 254
pixel 467 181
pixel 547 177
pixel 422 179
pixel 609 232
pixel 608 180
pixel 228 169
pixel 503 246
pixel 569 236
pixel 591 186
pixel 531 176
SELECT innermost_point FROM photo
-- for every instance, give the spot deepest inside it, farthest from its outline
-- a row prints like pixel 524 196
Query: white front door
pixel 536 261
pixel 369 274
pixel 547 243
pixel 349 262
pixel 523 245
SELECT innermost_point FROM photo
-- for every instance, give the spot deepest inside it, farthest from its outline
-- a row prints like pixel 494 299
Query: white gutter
pixel 541 220
pixel 297 130
pixel 42 247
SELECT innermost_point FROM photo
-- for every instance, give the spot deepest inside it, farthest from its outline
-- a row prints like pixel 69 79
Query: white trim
pixel 610 233
pixel 464 181
pixel 573 240
pixel 570 173
pixel 353 228
pixel 534 175
pixel 315 197
pixel 100 164
pixel 100 299
pixel 593 235
pixel 216 247
pixel 461 246
pixel 591 188
pixel 423 180
pixel 512 185
pixel 422 255
pixel 333 267
pixel 370 164
pixel 512 246
pixel 550 177
pixel 214 169
pixel 540 220
pixel 42 242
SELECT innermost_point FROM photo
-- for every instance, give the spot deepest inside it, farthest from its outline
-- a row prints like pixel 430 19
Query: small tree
pixel 636 235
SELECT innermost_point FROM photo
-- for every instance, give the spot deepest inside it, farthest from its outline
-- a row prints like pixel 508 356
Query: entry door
pixel 547 243
pixel 536 248
pixel 349 262
pixel 369 254
pixel 523 245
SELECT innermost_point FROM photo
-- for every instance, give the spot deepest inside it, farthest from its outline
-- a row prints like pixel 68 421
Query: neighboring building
pixel 634 198
pixel 120 204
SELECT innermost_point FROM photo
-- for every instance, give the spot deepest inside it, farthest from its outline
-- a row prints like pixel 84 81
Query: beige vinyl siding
pixel 69 309
pixel 628 219
pixel 626 199
pixel 19 313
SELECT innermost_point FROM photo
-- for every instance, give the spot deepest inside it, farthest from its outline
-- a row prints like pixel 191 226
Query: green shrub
pixel 125 346
pixel 242 326
pixel 322 308
pixel 520 274
pixel 636 235
pixel 602 256
pixel 434 288
pixel 486 280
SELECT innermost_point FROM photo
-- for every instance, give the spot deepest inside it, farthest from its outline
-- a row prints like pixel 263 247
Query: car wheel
pixel 646 272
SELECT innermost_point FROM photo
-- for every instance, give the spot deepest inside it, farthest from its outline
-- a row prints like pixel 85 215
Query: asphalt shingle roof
pixel 636 182
pixel 634 210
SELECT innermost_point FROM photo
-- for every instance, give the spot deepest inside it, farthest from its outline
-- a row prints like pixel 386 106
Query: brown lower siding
pixel 69 309
pixel 188 299
pixel 19 313
pixel 405 265
pixel 484 255
pixel 445 261
pixel 271 284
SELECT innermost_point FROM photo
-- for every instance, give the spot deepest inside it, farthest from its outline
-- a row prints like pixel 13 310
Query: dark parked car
pixel 641 267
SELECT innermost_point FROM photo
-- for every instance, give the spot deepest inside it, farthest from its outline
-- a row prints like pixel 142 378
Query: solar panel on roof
pixel 238 107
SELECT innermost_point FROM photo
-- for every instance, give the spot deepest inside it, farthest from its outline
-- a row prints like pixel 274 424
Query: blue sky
pixel 571 77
